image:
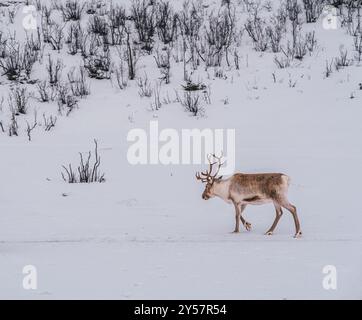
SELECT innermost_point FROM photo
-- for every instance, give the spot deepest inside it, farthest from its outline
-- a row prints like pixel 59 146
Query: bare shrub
pixel 143 16
pixel 12 11
pixel 3 42
pixel 130 55
pixel 294 10
pixel 34 43
pixel 66 100
pixel 46 29
pixel 31 127
pixel 357 40
pixel 191 21
pixel 56 36
pixel 144 87
pixel 282 62
pixel 13 126
pixel 18 100
pixel 343 60
pixel 300 48
pixel 163 62
pixel 46 13
pixel 2 104
pixel 87 171
pixel 257 31
pixel 302 44
pixel 121 78
pixel 45 91
pixel 91 7
pixel 89 46
pixel 29 59
pixel 292 83
pixel 98 25
pixel 11 64
pixel 117 23
pixel 38 5
pixel 328 71
pixel 166 22
pixel 62 90
pixel 75 38
pixel 350 12
pixel 99 65
pixel 236 60
pixel 276 29
pixel 49 122
pixel 313 9
pixel 192 86
pixel 219 35
pixel 311 41
pixel 17 61
pixel 207 95
pixel 219 73
pixel 71 104
pixel 156 105
pixel 54 70
pixel 78 82
pixel 191 102
pixel 72 10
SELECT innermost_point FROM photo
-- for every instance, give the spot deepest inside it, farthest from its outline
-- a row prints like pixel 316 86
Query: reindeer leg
pixel 237 218
pixel 246 224
pixel 293 210
pixel 278 215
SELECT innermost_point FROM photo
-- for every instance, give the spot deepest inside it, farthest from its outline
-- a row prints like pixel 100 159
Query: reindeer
pixel 243 189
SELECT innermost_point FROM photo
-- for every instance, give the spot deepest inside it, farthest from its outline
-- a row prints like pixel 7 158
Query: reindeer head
pixel 209 178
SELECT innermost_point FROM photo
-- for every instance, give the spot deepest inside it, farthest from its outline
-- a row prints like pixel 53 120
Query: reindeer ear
pixel 219 178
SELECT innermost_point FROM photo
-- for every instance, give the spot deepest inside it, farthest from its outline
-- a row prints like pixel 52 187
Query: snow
pixel 146 233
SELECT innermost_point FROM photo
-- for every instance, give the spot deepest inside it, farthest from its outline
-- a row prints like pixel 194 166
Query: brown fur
pixel 243 189
pixel 258 186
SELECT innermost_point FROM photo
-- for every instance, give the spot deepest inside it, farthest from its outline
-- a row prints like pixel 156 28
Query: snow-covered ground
pixel 146 233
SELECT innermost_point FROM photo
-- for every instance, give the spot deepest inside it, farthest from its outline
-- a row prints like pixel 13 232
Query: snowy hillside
pixel 73 72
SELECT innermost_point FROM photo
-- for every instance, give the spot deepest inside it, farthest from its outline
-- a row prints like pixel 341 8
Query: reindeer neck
pixel 221 189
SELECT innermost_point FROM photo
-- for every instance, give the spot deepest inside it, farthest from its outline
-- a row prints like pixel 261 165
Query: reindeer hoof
pixel 269 233
pixel 235 231
pixel 247 226
pixel 298 234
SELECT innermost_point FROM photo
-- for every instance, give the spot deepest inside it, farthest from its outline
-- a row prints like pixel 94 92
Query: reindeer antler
pixel 219 164
pixel 198 177
pixel 207 175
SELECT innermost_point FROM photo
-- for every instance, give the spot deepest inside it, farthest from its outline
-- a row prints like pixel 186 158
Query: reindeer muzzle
pixel 205 196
